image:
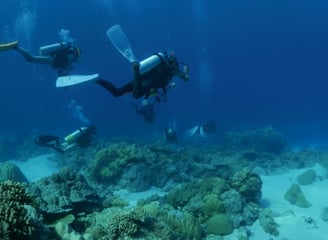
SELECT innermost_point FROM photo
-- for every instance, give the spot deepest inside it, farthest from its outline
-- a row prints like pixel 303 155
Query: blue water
pixel 251 63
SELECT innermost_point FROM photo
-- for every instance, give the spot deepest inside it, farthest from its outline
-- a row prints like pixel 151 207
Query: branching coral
pixel 126 224
pixel 14 220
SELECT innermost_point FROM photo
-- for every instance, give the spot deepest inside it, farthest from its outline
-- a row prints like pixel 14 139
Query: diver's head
pixel 175 66
pixel 144 102
pixel 209 126
pixel 85 139
pixel 173 62
pixel 170 135
pixel 77 52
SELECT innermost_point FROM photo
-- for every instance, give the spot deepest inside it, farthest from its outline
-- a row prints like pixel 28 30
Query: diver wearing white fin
pixel 60 56
pixel 204 130
pixel 150 75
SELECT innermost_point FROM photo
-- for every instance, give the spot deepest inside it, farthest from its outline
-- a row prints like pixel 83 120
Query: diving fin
pixel 69 80
pixel 202 133
pixel 121 42
pixel 191 132
pixel 7 46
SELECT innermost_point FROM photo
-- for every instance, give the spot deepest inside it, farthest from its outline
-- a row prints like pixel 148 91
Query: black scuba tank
pixel 151 62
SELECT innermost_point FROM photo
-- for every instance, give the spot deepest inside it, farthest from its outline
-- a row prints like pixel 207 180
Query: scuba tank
pixel 151 62
pixel 74 135
pixel 48 49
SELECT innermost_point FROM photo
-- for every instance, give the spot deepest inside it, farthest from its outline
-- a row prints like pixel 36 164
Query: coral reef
pixel 63 193
pixel 265 139
pixel 212 190
pixel 115 223
pixel 109 162
pixel 15 223
pixel 219 224
pixel 267 222
pixel 248 184
pixel 9 171
pixel 214 200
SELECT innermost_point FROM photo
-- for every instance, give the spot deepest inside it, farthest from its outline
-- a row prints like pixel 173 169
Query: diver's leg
pixel 136 80
pixel 35 59
pixel 116 92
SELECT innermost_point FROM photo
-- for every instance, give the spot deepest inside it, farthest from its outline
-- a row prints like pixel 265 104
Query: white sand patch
pixel 292 220
pixel 37 167
pixel 134 197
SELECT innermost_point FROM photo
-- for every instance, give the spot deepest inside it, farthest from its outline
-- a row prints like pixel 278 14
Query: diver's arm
pixel 183 75
pixel 35 59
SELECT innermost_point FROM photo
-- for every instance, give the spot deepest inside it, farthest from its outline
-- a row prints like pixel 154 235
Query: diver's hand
pixel 185 77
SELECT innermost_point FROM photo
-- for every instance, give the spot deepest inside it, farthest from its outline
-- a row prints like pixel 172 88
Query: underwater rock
pixel 62 229
pixel 324 214
pixel 9 171
pixel 264 139
pixel 63 193
pixel 306 177
pixel 295 196
pixel 67 233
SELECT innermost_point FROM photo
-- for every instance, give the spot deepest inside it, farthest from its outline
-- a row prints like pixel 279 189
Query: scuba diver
pixel 149 77
pixel 59 56
pixel 81 138
pixel 170 135
pixel 204 130
pixel 146 110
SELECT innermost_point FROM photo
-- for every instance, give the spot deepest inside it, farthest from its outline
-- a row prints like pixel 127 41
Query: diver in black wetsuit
pixel 204 130
pixel 81 138
pixel 170 135
pixel 146 110
pixel 150 75
pixel 60 56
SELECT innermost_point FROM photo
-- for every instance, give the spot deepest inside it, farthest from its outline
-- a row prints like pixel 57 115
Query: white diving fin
pixel 7 46
pixel 121 42
pixel 191 132
pixel 70 80
pixel 202 133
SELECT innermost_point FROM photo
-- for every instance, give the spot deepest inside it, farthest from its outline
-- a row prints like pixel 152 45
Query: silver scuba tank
pixel 46 50
pixel 74 135
pixel 149 63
